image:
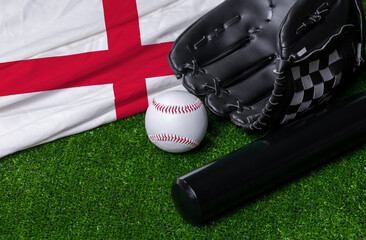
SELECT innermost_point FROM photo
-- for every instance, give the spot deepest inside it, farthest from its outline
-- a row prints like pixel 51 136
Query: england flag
pixel 67 66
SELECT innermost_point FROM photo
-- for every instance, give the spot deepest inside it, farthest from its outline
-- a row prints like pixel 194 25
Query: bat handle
pixel 269 161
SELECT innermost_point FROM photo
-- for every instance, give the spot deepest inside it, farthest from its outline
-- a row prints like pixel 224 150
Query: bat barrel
pixel 273 159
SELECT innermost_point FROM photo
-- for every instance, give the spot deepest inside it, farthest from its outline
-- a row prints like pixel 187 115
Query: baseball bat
pixel 269 161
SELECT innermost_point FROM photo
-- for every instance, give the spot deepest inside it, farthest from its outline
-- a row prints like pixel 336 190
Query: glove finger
pixel 216 33
pixel 242 118
pixel 244 96
pixel 228 71
pixel 314 24
pixel 228 44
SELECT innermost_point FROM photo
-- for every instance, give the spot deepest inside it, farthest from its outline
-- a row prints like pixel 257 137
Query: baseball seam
pixel 173 138
pixel 177 109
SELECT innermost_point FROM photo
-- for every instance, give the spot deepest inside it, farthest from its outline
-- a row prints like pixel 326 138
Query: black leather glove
pixel 265 62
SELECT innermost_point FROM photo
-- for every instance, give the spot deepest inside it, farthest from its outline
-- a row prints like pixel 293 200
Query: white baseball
pixel 176 121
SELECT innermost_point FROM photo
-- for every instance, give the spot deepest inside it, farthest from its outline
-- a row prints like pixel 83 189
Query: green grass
pixel 112 183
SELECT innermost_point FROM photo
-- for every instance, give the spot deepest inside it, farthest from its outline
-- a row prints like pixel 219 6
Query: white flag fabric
pixel 68 66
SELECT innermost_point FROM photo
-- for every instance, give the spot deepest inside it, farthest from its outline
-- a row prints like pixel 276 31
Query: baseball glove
pixel 266 62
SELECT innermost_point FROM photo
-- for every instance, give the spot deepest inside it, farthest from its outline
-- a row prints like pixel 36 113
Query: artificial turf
pixel 112 183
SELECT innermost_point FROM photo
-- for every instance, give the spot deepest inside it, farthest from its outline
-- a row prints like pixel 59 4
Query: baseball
pixel 176 121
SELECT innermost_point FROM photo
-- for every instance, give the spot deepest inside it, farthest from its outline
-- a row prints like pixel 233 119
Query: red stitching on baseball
pixel 173 138
pixel 177 109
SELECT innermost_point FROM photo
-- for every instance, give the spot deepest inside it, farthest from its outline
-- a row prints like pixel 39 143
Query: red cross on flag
pixel 67 66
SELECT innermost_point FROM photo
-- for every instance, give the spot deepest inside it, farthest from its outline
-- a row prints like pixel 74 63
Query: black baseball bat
pixel 269 161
